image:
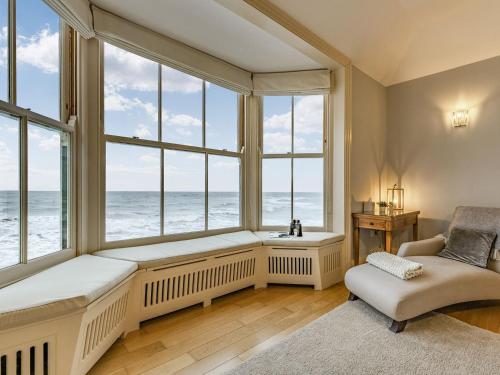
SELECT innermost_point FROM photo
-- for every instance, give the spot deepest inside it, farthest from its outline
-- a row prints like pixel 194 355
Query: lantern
pixel 396 196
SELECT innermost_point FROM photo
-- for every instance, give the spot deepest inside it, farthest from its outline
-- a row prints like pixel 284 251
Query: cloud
pixel 127 71
pixel 183 120
pixel 308 116
pixel 50 143
pixel 227 164
pixel 148 158
pixel 3 47
pixel 40 50
pixel 176 81
pixel 184 132
pixel 142 131
pixel 282 121
pixel 114 101
pixel 278 142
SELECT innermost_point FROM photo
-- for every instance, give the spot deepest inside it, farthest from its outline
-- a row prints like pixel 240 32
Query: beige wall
pixel 441 167
pixel 368 150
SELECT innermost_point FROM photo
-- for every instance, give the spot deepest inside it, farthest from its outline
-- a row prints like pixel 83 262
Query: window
pixel 292 166
pixel 174 170
pixel 37 58
pixel 35 153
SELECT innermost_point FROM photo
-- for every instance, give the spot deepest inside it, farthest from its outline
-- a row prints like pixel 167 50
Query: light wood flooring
pixel 211 340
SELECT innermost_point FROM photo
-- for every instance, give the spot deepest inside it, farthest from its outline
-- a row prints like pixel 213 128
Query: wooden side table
pixel 383 222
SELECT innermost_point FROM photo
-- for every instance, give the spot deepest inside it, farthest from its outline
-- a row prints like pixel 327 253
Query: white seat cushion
pixel 157 255
pixel 309 239
pixel 444 282
pixel 61 289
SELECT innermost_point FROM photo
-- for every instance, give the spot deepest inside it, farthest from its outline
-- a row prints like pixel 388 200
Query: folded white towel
pixel 403 268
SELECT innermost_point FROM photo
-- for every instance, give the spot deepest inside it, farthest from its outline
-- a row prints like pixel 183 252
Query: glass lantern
pixel 396 195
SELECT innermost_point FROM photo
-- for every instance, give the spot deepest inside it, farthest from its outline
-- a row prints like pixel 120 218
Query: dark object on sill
pixel 299 234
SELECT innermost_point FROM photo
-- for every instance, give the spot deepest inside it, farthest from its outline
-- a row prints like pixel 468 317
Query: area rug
pixel 355 339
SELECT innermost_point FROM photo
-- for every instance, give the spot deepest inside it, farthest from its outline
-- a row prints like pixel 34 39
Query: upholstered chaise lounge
pixel 444 281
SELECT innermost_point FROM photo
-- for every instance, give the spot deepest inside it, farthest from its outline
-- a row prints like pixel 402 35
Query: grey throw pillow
pixel 469 246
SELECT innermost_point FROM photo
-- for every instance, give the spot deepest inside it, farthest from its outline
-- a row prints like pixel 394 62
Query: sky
pixel 131 109
pixel 37 88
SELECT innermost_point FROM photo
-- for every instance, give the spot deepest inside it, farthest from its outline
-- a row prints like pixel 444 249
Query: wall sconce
pixel 460 118
pixel 396 196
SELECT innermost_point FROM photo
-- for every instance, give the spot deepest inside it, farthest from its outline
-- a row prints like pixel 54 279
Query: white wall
pixel 368 150
pixel 439 166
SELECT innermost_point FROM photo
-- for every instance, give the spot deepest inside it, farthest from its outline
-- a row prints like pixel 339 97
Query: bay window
pixel 293 148
pixel 172 150
pixel 35 138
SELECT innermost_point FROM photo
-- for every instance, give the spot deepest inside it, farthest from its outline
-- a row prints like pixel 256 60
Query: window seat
pixel 60 290
pixel 157 255
pixel 309 239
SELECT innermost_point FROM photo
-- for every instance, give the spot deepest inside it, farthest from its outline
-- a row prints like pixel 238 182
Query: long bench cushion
pixel 444 282
pixel 309 239
pixel 61 289
pixel 157 255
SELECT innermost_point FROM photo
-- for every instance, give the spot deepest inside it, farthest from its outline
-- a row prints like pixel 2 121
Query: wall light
pixel 460 118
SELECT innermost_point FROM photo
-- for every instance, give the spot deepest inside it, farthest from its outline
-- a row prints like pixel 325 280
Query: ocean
pixel 137 214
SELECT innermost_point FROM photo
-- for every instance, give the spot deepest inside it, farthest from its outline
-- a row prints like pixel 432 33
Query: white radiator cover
pixel 72 344
pixel 161 290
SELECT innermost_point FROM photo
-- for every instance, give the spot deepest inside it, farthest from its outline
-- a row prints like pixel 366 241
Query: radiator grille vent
pixel 331 262
pixel 190 283
pixel 28 360
pixel 286 265
pixel 103 324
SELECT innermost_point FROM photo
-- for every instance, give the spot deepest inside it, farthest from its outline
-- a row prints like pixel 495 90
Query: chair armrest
pixel 431 246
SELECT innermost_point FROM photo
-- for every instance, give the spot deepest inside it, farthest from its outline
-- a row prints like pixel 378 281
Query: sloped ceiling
pixel 214 29
pixel 399 40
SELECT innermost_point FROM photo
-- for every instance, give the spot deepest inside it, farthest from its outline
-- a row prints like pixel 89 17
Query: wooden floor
pixel 211 340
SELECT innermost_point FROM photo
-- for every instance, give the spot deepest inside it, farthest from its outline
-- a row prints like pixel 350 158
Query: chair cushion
pixel 478 218
pixel 444 282
pixel 309 239
pixel 157 255
pixel 469 246
pixel 61 289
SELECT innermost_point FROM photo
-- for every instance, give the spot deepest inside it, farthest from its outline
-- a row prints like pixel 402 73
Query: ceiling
pixel 398 40
pixel 214 29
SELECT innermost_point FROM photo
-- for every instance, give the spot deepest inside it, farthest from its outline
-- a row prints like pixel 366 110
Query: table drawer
pixel 372 224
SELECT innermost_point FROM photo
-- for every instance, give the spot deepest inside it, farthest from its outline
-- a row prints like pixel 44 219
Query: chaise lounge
pixel 444 281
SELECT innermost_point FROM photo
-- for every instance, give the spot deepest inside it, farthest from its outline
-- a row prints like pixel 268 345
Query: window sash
pixel 26 116
pixel 325 155
pixel 163 146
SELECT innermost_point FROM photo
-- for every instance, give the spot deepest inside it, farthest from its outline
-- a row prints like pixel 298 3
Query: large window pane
pixel 221 113
pixel 37 52
pixel 9 191
pixel 308 124
pixel 132 192
pixel 4 42
pixel 184 192
pixel 223 192
pixel 276 192
pixel 277 124
pixel 47 191
pixel 182 106
pixel 130 94
pixel 308 191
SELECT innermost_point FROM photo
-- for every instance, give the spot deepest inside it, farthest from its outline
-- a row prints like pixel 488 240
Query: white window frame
pixel 326 156
pixel 65 124
pixel 163 146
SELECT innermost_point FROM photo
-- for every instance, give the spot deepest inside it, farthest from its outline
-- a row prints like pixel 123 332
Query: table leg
pixel 388 241
pixel 415 230
pixel 356 245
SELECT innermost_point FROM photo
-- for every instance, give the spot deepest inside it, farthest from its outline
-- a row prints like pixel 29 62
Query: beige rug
pixel 354 339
